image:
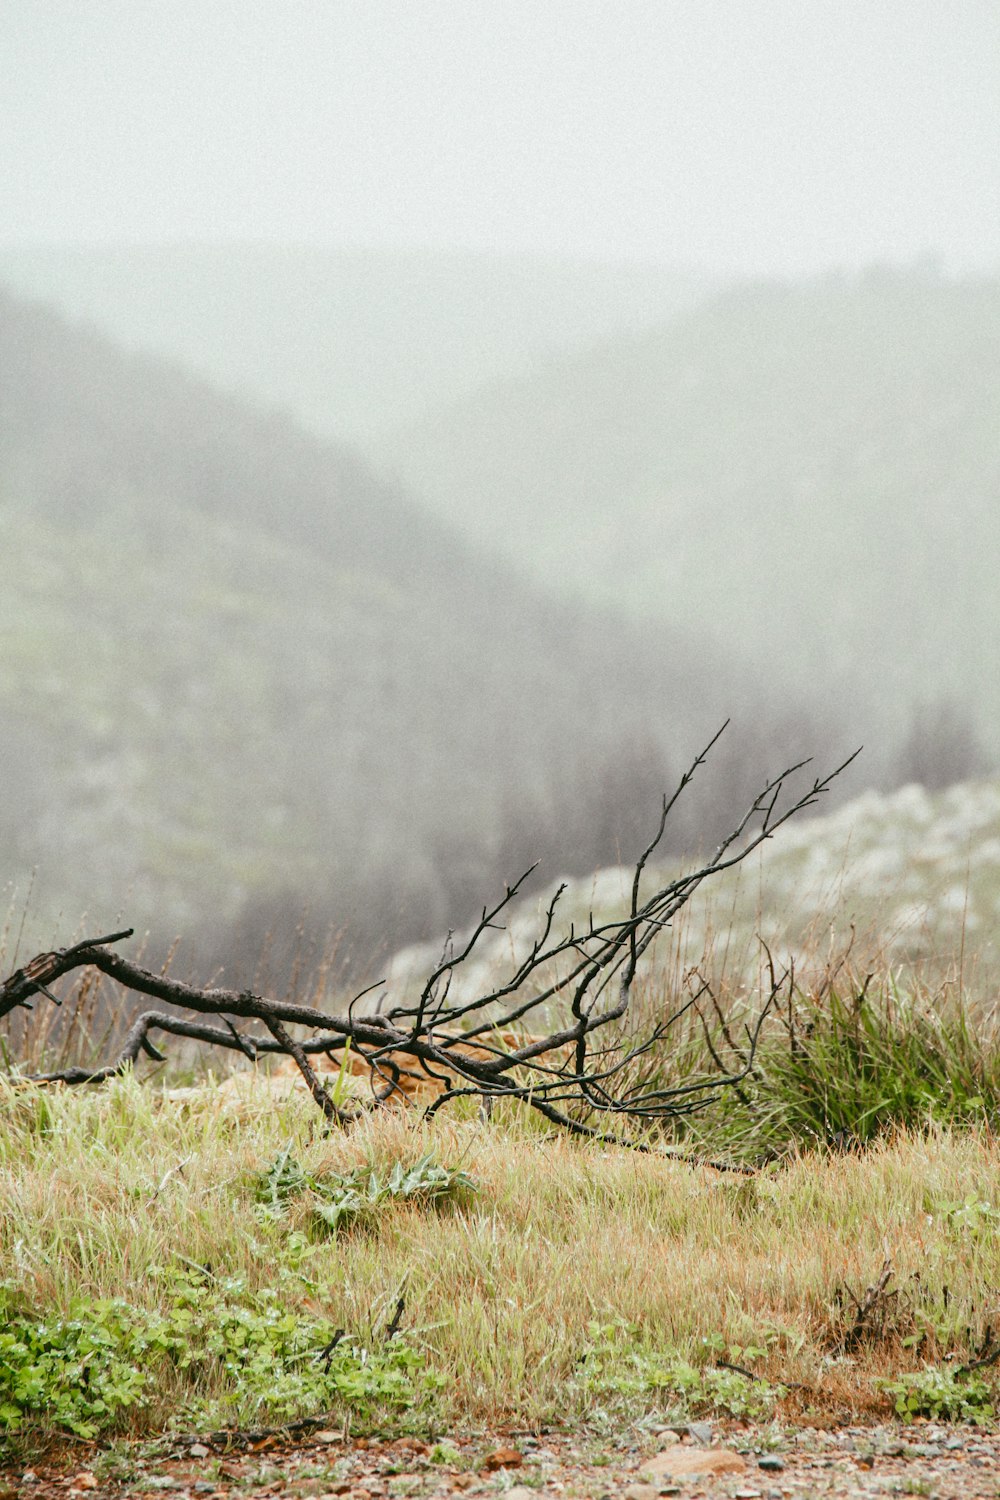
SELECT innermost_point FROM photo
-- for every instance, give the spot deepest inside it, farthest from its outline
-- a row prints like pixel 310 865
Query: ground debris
pixel 923 1458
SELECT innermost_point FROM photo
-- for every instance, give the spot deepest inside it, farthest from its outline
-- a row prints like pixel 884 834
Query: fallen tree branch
pixel 578 983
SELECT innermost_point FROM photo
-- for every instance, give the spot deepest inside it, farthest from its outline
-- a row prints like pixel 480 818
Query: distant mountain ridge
pixel 353 342
pixel 812 470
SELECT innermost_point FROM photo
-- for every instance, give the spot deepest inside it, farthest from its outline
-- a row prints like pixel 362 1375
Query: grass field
pixel 188 1260
pixel 180 1254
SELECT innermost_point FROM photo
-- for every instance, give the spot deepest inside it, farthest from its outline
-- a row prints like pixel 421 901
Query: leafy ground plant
pixel 942 1394
pixel 85 1372
pixel 339 1200
pixel 616 1365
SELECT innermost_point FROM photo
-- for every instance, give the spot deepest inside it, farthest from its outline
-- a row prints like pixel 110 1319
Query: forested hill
pixel 813 469
pixel 239 676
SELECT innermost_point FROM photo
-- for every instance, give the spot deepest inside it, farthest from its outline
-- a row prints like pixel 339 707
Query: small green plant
pixel 339 1200
pixel 612 1364
pixel 81 1373
pixel 444 1453
pixel 77 1372
pixel 945 1395
pixel 972 1217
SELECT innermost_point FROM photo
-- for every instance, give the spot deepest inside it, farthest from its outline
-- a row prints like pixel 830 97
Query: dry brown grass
pixel 504 1293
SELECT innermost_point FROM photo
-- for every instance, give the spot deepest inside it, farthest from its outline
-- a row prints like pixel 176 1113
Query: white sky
pixel 747 135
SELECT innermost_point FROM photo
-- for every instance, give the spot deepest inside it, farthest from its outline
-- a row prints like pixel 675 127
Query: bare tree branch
pixel 577 1064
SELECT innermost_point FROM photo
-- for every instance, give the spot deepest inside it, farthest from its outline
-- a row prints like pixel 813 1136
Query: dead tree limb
pixel 572 987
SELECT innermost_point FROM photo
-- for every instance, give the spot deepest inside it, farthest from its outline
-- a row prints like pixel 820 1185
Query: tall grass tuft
pixel 840 1065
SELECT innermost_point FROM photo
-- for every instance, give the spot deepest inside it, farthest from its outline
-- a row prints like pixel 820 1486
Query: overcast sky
pixel 749 135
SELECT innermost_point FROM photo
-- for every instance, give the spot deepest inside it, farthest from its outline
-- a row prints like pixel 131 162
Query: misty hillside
pixel 240 677
pixel 910 876
pixel 352 342
pixel 812 471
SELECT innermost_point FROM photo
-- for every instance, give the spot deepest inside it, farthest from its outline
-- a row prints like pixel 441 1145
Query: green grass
pixel 576 1283
pixel 207 1257
pixel 844 1067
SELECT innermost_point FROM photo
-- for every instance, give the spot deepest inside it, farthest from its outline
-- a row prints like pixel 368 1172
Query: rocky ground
pixel 642 1463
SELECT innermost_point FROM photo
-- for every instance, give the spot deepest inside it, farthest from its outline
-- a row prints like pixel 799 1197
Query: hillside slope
pixel 910 876
pixel 352 342
pixel 813 471
pixel 239 676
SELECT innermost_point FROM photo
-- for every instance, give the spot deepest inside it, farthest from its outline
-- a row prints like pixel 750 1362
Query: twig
pixel 473 1047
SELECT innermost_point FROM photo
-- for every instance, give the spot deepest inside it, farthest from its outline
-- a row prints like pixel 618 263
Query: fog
pixel 775 137
pixel 422 423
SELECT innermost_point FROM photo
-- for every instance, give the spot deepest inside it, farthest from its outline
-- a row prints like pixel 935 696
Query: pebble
pixel 503 1458
pixel 680 1463
pixel 771 1463
pixel 700 1432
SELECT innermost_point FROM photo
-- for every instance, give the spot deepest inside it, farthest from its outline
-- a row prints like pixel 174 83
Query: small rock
pixel 679 1463
pixel 327 1437
pixel 84 1481
pixel 669 1435
pixel 641 1492
pixel 700 1432
pixel 462 1481
pixel 954 1445
pixel 161 1482
pixel 203 1487
pixel 503 1458
pixel 771 1463
pixel 199 1450
pixel 520 1492
pixel 29 1477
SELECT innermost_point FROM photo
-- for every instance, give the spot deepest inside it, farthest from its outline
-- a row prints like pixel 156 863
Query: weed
pixel 444 1453
pixel 614 1364
pixel 972 1217
pixel 940 1393
pixel 339 1200
pixel 83 1372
